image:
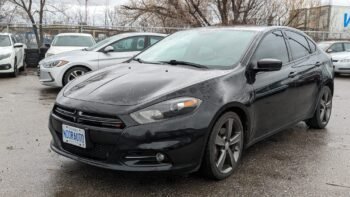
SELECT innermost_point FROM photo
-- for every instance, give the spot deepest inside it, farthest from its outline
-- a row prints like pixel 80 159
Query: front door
pixel 273 103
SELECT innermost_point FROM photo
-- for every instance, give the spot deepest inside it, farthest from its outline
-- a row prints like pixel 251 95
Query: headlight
pixel 57 63
pixel 4 56
pixel 167 109
pixel 345 61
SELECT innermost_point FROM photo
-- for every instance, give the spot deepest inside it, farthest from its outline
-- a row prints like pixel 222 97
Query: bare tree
pixel 193 12
pixel 30 9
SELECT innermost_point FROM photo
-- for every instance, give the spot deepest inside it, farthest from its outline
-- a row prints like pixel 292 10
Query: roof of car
pixel 130 34
pixel 6 34
pixel 333 41
pixel 247 28
pixel 74 34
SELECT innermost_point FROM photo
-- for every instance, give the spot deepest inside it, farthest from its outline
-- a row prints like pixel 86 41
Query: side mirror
pixel 108 49
pixel 265 65
pixel 47 45
pixel 329 50
pixel 18 45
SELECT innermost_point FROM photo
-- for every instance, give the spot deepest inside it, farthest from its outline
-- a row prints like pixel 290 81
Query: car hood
pixel 340 56
pixel 70 55
pixel 5 50
pixel 132 84
pixel 57 50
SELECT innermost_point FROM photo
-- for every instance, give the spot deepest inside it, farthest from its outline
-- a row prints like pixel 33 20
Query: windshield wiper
pixel 175 62
pixel 143 62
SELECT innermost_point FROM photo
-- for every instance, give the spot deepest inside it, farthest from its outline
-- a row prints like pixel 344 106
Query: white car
pixel 340 53
pixel 60 69
pixel 69 42
pixel 12 54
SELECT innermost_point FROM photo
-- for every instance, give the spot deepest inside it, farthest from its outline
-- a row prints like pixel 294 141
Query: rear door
pixel 306 74
pixel 124 49
pixel 273 105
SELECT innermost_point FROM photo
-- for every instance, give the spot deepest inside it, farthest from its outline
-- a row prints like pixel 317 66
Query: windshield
pixel 324 46
pixel 221 48
pixel 5 41
pixel 73 41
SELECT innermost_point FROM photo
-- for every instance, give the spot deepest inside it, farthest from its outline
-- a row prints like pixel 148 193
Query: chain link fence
pixel 24 32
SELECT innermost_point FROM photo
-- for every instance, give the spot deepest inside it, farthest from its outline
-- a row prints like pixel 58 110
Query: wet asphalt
pixel 296 162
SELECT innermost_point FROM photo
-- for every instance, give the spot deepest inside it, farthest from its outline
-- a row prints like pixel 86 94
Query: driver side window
pixel 129 44
pixel 273 46
pixel 337 47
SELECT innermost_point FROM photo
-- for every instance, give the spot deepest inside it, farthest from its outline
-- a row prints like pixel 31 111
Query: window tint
pixel 337 47
pixel 272 46
pixel 154 39
pixel 312 45
pixel 347 47
pixel 299 46
pixel 129 44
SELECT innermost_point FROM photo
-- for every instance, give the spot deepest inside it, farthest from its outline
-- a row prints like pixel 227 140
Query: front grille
pixel 344 68
pixel 86 118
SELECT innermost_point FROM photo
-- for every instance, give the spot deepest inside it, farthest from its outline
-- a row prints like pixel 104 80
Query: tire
pixel 73 73
pixel 15 71
pixel 323 111
pixel 224 151
pixel 24 67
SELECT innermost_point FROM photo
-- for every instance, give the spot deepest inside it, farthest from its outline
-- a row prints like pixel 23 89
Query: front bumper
pixel 6 66
pixel 340 67
pixel 50 76
pixel 133 148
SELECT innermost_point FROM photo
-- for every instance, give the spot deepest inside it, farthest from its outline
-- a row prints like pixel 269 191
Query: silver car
pixel 58 70
pixel 340 53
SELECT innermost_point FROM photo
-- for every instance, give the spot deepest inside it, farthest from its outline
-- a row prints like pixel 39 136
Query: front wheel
pixel 224 149
pixel 73 73
pixel 323 110
pixel 15 69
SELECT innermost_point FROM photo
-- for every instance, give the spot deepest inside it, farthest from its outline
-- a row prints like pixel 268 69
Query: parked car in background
pixel 69 42
pixel 340 53
pixel 194 100
pixel 12 54
pixel 60 69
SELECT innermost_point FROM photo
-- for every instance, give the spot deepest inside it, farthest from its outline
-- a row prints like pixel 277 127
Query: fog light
pixel 160 157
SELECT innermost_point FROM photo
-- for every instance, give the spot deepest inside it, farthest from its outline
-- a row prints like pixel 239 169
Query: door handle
pixel 292 75
pixel 318 64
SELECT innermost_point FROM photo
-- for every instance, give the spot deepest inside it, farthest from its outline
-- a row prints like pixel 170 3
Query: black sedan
pixel 194 101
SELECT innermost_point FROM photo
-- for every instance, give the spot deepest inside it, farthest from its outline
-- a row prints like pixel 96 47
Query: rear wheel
pixel 224 149
pixel 323 110
pixel 15 69
pixel 73 73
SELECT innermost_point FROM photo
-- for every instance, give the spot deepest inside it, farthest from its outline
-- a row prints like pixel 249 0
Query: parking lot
pixel 295 162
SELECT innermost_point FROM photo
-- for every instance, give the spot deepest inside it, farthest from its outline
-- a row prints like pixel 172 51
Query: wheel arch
pixel 242 111
pixel 72 67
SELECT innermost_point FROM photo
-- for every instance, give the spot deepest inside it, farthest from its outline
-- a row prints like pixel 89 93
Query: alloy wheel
pixel 325 107
pixel 227 144
pixel 74 74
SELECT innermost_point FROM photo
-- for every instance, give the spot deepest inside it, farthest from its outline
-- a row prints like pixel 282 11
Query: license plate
pixel 74 136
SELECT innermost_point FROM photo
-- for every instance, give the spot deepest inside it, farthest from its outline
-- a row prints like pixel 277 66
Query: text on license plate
pixel 74 136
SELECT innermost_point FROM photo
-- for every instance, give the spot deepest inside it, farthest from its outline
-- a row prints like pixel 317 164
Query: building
pixel 325 22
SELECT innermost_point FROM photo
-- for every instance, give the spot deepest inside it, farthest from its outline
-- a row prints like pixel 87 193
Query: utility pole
pixel 86 11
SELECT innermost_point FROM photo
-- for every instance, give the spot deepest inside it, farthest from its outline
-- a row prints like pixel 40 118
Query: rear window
pixel 299 45
pixel 73 41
